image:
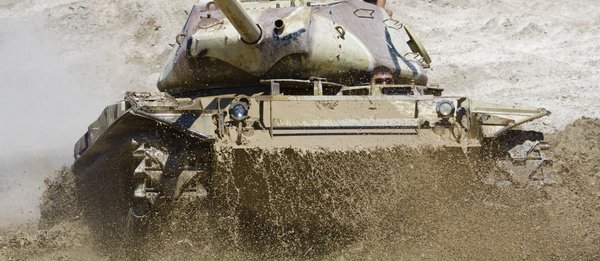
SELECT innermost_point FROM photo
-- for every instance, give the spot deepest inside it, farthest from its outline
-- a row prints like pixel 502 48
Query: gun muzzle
pixel 246 27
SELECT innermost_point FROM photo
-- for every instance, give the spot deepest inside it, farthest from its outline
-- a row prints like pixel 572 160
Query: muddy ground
pixel 64 60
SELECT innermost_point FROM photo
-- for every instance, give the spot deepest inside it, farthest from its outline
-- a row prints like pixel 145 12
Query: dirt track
pixel 540 53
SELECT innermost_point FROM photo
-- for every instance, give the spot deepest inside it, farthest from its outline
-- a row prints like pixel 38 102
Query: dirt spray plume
pixel 381 204
pixel 387 204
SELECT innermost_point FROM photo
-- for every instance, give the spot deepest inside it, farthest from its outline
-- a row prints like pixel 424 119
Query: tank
pixel 285 118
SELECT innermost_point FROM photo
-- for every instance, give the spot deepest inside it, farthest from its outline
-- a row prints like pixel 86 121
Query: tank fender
pixel 495 120
pixel 145 112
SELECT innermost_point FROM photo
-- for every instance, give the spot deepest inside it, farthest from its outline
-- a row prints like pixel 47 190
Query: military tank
pixel 264 108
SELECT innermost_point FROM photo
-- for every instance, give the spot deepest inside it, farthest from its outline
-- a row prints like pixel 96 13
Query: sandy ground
pixel 64 60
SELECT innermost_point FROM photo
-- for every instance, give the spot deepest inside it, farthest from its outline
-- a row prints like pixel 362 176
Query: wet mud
pixel 385 205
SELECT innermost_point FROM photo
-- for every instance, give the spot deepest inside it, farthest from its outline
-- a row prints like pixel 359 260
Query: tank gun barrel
pixel 246 27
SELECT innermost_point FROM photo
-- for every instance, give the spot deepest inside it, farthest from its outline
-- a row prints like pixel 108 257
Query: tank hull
pixel 296 167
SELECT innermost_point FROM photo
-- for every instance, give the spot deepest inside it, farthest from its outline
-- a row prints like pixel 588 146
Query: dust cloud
pixel 61 63
pixel 49 96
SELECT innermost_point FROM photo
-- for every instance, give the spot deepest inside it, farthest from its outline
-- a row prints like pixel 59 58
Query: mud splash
pixel 382 209
pixel 297 203
pixel 59 235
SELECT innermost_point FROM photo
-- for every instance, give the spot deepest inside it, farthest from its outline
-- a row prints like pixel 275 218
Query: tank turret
pixel 239 44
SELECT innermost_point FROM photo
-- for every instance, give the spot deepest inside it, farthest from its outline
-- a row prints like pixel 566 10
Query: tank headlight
pixel 238 111
pixel 445 108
